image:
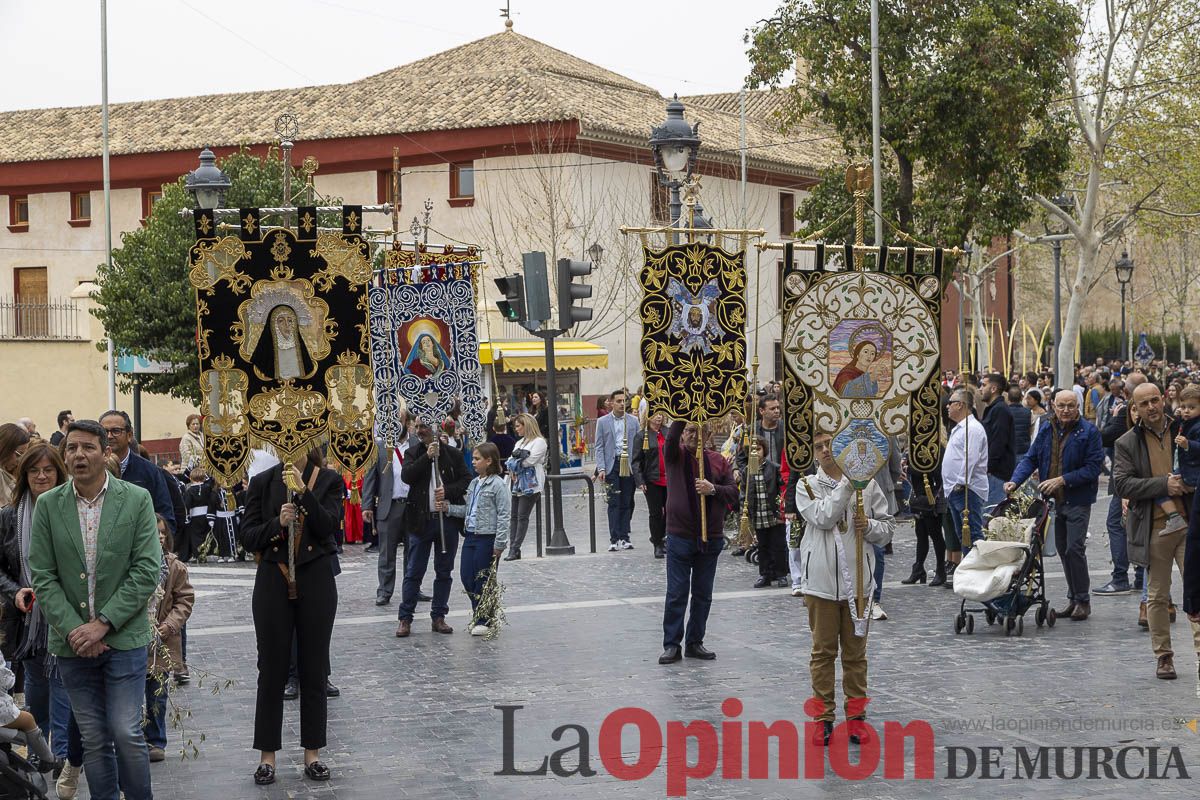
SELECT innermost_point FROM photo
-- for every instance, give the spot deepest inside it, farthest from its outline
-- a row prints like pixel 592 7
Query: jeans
pixel 473 567
pixel 878 572
pixel 419 548
pixel 689 571
pixel 974 506
pixel 1118 546
pixel 1070 537
pixel 48 702
pixel 155 728
pixel 107 694
pixel 620 505
pixel 996 494
pixel 523 506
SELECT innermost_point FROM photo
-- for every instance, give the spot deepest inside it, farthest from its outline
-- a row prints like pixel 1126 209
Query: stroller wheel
pixel 1009 625
pixel 752 554
pixel 991 616
pixel 970 624
pixel 1051 616
pixel 959 623
pixel 1020 625
pixel 1040 616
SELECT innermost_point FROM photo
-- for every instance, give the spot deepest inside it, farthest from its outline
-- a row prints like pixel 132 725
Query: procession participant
pixel 691 561
pixel 762 492
pixel 307 618
pixel 827 503
pixel 428 530
pixel 384 505
pixel 650 475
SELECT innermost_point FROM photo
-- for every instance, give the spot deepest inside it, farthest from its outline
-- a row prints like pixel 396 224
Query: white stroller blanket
pixel 988 569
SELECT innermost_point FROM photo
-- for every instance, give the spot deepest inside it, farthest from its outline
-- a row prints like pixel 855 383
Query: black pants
pixel 929 527
pixel 276 619
pixel 656 501
pixel 772 552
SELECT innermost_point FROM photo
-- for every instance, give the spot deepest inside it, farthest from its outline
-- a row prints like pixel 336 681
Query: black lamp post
pixel 1124 268
pixel 207 182
pixel 675 144
pixel 1064 202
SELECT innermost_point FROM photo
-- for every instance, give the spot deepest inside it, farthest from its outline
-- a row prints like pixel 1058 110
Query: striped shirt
pixel 89 525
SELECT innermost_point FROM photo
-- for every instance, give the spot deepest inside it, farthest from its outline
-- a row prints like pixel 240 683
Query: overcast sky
pixel 50 49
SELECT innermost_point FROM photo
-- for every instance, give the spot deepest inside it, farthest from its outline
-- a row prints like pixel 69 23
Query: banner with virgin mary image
pixel 693 346
pixel 282 335
pixel 425 344
pixel 861 349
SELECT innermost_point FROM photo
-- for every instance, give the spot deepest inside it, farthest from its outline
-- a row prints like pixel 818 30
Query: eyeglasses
pixel 41 471
pixel 1067 407
pixel 115 431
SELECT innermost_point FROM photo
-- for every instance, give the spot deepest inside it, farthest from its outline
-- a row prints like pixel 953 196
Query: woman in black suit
pixel 317 512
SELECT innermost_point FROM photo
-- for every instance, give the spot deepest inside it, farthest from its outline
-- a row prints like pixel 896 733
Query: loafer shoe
pixel 670 654
pixel 698 650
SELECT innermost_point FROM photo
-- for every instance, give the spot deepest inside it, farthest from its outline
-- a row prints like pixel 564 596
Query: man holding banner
pixel 828 504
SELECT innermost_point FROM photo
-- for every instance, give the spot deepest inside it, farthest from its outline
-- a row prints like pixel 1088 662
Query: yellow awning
pixel 531 356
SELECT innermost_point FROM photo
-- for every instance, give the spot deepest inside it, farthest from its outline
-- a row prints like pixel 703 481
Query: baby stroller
pixel 18 777
pixel 1003 575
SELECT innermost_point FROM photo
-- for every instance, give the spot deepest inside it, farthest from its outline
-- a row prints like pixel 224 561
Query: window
pixel 660 201
pixel 787 213
pixel 149 198
pixel 81 209
pixel 32 297
pixel 777 349
pixel 18 213
pixel 462 184
pixel 383 187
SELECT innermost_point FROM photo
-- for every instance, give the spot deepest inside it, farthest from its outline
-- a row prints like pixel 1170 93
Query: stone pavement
pixel 416 717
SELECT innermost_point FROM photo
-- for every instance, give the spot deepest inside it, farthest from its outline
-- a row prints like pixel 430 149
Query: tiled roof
pixel 503 79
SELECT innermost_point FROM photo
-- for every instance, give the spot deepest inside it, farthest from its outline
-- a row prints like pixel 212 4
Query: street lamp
pixel 1124 268
pixel 207 182
pixel 675 144
pixel 595 253
pixel 1065 203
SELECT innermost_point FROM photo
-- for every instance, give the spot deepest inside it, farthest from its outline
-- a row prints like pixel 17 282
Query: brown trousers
pixel 831 625
pixel 1165 551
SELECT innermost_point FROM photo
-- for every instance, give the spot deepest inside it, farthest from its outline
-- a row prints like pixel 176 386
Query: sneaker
pixel 626 544
pixel 479 630
pixel 797 591
pixel 1113 588
pixel 1175 523
pixel 68 783
pixel 877 612
pixel 614 547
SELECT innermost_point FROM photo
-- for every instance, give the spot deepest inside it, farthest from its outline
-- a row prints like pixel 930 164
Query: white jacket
pixel 538 448
pixel 833 502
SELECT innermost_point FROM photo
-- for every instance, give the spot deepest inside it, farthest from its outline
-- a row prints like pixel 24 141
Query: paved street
pixel 416 716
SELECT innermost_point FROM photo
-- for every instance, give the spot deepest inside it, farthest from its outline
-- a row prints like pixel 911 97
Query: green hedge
pixel 1106 342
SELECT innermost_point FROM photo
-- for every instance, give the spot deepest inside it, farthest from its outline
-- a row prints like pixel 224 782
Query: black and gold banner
pixel 283 338
pixel 693 346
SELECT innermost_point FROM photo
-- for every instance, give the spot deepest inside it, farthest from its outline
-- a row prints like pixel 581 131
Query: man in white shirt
pixel 964 472
pixel 384 500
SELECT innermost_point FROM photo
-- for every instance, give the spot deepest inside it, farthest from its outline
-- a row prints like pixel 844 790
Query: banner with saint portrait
pixel 282 335
pixel 425 343
pixel 861 349
pixel 693 345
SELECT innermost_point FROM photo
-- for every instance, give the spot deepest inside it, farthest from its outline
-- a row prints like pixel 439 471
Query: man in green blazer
pixel 95 562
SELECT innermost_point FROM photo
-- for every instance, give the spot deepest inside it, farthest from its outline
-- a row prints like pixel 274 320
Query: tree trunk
pixel 904 193
pixel 1064 370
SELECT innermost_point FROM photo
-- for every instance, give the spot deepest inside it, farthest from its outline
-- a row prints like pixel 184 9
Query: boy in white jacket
pixel 827 502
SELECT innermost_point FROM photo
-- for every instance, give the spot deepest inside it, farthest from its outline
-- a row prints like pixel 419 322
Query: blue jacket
pixel 143 473
pixel 1082 461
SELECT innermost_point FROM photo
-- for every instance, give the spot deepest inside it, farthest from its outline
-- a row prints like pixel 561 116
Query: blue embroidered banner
pixel 425 349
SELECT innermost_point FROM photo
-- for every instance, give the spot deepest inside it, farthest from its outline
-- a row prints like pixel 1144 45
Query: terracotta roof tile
pixel 502 79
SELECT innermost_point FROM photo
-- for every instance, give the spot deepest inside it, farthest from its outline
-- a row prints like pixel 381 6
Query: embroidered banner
pixel 425 344
pixel 861 349
pixel 282 334
pixel 693 346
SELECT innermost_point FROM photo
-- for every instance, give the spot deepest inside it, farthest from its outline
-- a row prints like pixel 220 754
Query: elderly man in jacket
pixel 1143 463
pixel 1068 458
pixel 827 503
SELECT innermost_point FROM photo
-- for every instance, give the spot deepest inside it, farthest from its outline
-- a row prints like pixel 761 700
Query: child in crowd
pixel 16 719
pixel 197 529
pixel 1187 457
pixel 173 600
pixel 486 511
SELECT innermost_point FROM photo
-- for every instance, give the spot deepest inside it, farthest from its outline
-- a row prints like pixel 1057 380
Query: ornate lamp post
pixel 1124 268
pixel 675 144
pixel 207 182
pixel 595 253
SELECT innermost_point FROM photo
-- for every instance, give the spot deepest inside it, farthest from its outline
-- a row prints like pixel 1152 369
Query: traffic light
pixel 569 292
pixel 513 304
